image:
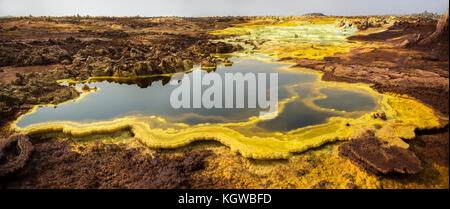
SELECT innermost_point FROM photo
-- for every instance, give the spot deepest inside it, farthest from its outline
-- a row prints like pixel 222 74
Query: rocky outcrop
pixel 377 157
pixel 33 56
pixel 139 60
pixel 440 32
pixel 15 151
pixel 363 23
pixel 426 14
pixel 32 89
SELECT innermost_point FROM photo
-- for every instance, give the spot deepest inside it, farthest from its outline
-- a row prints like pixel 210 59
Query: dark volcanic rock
pixel 54 164
pixel 376 157
pixel 14 154
pixel 364 25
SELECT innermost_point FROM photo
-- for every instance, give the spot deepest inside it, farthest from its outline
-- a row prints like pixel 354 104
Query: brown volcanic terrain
pixel 35 52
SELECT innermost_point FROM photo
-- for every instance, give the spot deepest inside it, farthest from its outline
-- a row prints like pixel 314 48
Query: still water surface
pixel 151 96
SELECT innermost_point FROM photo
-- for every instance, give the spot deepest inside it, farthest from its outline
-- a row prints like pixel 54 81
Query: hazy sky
pixel 216 7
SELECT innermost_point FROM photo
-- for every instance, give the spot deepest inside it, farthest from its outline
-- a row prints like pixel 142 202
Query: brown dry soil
pixel 35 52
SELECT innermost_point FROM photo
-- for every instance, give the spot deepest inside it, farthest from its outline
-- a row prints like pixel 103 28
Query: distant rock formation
pixel 426 14
pixel 440 32
pixel 315 14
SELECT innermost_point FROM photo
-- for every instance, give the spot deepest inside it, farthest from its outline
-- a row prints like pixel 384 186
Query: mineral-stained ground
pixel 411 58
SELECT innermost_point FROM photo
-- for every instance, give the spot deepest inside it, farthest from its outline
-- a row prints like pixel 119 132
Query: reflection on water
pixel 344 100
pixel 142 82
pixel 150 96
pixel 295 115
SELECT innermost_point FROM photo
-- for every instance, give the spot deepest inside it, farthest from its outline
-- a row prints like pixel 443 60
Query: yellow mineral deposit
pixel 311 38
